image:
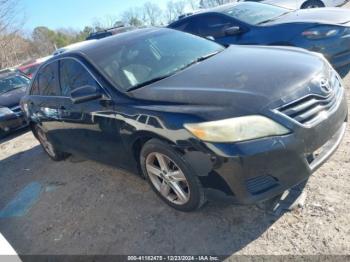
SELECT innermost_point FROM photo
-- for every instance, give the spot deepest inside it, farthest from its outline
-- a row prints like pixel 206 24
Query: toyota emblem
pixel 325 86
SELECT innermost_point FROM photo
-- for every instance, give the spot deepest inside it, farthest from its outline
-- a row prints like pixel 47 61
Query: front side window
pixel 73 75
pixel 255 13
pixel 155 56
pixel 47 80
pixel 190 25
pixel 213 25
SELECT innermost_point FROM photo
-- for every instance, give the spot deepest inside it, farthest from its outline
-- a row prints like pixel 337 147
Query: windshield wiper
pixel 200 59
pixel 273 19
pixel 149 82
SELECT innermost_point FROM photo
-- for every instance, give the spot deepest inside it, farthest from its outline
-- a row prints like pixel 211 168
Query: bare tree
pixel 152 14
pixel 106 22
pixel 9 18
pixel 11 43
pixel 14 50
pixel 174 9
pixel 133 17
pixel 213 3
pixel 193 4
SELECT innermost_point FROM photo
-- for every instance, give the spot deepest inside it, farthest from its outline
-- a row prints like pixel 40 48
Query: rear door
pixel 45 101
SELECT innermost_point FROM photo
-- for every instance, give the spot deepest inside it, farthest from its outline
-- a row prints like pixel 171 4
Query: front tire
pixel 170 177
pixel 48 147
pixel 312 4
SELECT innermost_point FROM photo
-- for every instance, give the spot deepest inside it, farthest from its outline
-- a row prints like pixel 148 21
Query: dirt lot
pixel 81 207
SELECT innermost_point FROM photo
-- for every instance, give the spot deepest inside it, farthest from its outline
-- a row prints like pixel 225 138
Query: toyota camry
pixel 191 115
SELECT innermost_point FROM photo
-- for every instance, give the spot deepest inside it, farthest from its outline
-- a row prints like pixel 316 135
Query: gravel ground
pixel 82 207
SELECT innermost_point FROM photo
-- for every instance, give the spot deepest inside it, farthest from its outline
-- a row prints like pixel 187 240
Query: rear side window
pixel 73 75
pixel 154 122
pixel 47 81
pixel 142 119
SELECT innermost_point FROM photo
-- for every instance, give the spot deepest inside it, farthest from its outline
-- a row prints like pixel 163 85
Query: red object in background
pixel 30 69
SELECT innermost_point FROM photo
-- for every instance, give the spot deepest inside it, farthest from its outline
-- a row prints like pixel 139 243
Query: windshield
pixel 142 61
pixel 12 82
pixel 255 13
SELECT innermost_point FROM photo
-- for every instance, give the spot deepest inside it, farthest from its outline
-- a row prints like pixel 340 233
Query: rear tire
pixel 170 177
pixel 48 147
pixel 312 4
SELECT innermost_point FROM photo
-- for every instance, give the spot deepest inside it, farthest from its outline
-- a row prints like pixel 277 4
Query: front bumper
pixel 12 122
pixel 258 170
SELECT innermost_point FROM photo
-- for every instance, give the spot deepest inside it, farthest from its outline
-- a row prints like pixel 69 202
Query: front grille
pixel 313 108
pixel 17 110
pixel 261 184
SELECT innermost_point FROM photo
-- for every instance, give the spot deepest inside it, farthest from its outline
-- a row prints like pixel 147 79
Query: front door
pixel 91 128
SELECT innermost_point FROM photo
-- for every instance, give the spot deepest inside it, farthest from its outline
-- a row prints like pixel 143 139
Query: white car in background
pixel 303 4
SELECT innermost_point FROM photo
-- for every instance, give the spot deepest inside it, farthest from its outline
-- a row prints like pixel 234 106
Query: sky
pixel 75 14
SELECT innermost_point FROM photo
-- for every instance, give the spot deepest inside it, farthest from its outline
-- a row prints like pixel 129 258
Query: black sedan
pixel 12 88
pixel 325 30
pixel 190 114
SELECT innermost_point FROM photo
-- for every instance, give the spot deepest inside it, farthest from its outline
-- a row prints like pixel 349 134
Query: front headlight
pixel 5 111
pixel 321 32
pixel 237 129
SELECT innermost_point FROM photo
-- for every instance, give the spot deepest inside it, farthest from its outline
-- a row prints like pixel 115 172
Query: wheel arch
pixel 200 162
pixel 308 1
pixel 140 139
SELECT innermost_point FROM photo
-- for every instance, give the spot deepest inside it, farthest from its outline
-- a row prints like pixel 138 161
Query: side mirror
pixel 234 30
pixel 85 93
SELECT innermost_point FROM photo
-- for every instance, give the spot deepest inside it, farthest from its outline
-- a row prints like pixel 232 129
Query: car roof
pixel 92 46
pixel 72 47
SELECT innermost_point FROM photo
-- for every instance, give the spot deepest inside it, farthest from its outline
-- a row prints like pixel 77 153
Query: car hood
pixel 246 78
pixel 317 15
pixel 12 98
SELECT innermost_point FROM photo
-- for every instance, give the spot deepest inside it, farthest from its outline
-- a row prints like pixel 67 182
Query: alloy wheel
pixel 168 178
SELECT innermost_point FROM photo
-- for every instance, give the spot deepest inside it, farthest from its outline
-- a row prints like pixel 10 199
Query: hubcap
pixel 45 142
pixel 168 178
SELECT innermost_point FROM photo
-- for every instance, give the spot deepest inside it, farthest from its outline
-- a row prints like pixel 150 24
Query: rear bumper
pixel 255 171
